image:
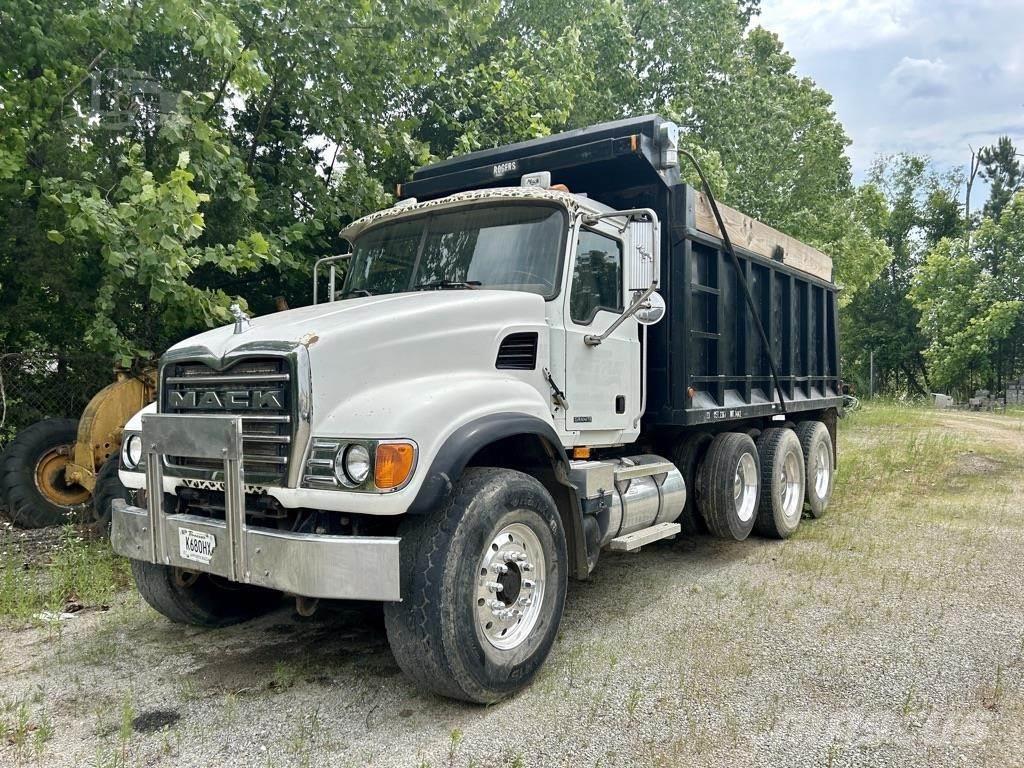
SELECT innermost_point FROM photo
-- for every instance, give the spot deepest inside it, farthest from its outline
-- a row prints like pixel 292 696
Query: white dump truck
pixel 541 353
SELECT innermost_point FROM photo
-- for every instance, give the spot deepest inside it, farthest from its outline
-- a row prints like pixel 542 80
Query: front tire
pixel 188 597
pixel 455 632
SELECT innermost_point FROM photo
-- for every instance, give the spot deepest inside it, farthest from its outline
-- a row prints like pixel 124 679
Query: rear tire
pixel 687 456
pixel 819 465
pixel 199 599
pixel 32 475
pixel 447 632
pixel 782 483
pixel 728 485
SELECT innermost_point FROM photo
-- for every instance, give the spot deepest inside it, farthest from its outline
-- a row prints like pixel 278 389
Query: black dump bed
pixel 705 362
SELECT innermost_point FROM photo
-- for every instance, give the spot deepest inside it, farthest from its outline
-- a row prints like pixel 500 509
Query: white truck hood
pixel 373 320
pixel 373 359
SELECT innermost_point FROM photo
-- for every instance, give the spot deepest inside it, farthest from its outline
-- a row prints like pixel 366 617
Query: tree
pixel 972 316
pixel 915 207
pixel 247 133
pixel 1003 171
pixel 160 157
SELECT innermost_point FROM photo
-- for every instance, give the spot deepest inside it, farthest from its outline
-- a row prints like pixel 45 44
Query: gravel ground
pixel 890 632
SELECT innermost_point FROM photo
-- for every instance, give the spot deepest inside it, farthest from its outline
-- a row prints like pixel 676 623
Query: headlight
pixel 354 464
pixel 360 464
pixel 131 451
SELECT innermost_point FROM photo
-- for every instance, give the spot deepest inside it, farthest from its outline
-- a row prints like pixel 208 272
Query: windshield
pixel 513 247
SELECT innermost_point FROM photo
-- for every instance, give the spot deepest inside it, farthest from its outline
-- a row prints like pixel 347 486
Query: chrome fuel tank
pixel 632 493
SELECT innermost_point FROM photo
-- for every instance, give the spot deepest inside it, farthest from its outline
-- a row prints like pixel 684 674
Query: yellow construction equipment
pixel 60 470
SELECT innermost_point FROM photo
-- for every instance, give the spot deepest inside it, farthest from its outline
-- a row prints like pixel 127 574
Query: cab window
pixel 596 278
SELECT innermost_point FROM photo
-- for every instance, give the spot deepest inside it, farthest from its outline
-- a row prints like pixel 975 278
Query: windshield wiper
pixel 443 284
pixel 356 292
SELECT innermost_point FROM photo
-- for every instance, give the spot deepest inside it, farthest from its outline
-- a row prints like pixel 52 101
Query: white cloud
pixel 919 79
pixel 832 25
pixel 926 76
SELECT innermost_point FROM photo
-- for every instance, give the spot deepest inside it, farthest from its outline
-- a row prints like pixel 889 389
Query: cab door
pixel 602 383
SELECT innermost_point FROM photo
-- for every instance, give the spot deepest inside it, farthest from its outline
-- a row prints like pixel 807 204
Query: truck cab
pixel 460 420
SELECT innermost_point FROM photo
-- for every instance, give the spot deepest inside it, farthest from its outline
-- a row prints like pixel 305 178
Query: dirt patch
pixel 972 463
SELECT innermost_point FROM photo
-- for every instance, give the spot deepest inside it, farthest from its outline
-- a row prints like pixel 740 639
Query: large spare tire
pixel 32 475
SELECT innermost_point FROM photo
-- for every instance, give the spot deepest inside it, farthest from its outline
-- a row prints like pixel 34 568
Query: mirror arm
pixel 646 214
pixel 332 260
pixel 594 341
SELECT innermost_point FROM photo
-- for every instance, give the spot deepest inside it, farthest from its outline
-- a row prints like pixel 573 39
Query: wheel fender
pixel 456 451
pixel 462 444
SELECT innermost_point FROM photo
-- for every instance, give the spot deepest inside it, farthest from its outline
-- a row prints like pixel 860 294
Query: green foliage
pixel 970 296
pixel 1004 172
pixel 161 159
pixel 908 207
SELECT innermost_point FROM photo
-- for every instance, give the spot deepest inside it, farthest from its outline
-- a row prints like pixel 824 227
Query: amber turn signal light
pixel 393 465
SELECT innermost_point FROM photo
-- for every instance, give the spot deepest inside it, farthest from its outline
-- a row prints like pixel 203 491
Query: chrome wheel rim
pixel 510 587
pixel 822 470
pixel 790 482
pixel 744 487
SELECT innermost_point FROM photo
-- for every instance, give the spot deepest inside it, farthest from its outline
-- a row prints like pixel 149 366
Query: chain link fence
pixel 43 385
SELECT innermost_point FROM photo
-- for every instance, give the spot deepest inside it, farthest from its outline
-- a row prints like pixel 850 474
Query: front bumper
pixel 306 564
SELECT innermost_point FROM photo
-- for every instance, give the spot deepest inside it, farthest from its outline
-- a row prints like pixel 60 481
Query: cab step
pixel 633 541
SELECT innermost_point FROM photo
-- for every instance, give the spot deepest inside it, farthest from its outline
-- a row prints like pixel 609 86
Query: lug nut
pixel 529 584
pixel 526 602
pixel 510 557
pixel 495 586
pixel 521 557
pixel 499 568
pixel 526 567
pixel 496 605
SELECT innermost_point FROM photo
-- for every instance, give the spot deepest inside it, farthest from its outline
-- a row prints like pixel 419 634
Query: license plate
pixel 197 546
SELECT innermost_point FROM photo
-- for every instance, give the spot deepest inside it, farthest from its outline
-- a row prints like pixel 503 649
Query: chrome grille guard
pixel 306 564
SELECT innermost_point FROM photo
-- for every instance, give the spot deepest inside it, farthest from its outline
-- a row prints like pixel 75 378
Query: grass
pixel 73 571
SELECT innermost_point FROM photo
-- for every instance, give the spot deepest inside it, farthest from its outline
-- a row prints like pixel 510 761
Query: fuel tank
pixel 629 494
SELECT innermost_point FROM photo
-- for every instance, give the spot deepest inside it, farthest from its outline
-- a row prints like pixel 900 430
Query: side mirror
pixel 647 302
pixel 652 310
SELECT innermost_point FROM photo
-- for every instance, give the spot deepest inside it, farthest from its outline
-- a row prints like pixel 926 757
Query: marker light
pixel 538 180
pixel 394 464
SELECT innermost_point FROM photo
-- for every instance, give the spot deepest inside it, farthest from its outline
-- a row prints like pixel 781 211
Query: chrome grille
pixel 267 427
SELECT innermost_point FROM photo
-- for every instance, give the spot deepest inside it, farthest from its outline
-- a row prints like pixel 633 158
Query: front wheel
pixel 188 597
pixel 483 587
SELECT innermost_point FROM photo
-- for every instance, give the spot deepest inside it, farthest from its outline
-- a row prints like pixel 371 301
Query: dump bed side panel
pixel 707 363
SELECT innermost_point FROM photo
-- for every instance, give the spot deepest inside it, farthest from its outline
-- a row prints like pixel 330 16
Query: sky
pixel 926 76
